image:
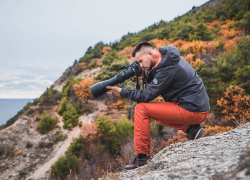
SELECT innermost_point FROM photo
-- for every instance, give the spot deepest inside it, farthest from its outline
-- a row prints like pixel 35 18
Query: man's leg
pixel 165 113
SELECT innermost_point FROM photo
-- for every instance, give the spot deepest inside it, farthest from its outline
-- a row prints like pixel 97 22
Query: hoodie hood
pixel 170 55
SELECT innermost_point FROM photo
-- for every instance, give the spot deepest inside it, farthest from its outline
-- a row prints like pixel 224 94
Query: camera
pixel 133 69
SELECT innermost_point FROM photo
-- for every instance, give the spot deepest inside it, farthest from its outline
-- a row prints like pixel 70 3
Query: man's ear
pixel 150 53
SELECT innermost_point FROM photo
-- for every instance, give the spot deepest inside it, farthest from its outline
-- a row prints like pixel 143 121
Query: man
pixel 187 102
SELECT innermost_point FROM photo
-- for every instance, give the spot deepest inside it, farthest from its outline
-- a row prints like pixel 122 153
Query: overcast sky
pixel 40 39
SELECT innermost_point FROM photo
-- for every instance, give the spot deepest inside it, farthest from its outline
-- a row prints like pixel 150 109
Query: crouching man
pixel 186 101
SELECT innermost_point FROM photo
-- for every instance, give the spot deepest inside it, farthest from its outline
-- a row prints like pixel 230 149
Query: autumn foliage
pixel 180 137
pixel 235 106
pixel 126 51
pixel 82 90
pixel 119 104
pixel 105 49
pixel 210 130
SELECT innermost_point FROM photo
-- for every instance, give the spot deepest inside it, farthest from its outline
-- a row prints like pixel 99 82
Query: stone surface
pixel 212 157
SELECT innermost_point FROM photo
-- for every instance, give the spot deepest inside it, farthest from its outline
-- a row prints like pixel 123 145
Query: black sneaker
pixel 137 162
pixel 194 131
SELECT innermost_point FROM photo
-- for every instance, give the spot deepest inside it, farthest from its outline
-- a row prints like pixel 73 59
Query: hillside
pixel 66 133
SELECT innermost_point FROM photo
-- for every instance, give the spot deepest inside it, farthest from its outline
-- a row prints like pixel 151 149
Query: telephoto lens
pixel 100 88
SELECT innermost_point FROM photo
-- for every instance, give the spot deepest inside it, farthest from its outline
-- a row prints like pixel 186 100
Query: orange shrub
pixel 127 51
pixel 232 44
pixel 180 137
pixel 189 58
pixel 213 25
pixel 211 46
pixel 195 47
pixel 235 107
pixel 159 43
pixel 89 132
pixel 105 49
pixel 82 90
pixel 223 33
pixel 196 63
pixel 119 104
pixel 179 43
pixel 209 130
pixel 82 66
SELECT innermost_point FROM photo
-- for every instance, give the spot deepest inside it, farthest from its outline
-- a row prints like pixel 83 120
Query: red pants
pixel 164 113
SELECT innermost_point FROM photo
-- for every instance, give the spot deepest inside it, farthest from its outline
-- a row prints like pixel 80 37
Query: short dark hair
pixel 139 46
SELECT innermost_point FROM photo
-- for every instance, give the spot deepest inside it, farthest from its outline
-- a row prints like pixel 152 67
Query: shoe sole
pixel 199 133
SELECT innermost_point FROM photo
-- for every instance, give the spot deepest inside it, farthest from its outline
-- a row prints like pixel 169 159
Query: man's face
pixel 144 60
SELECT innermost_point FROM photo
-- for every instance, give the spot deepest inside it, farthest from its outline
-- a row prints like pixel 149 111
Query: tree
pixel 70 117
pixel 109 137
pixel 76 146
pixel 64 164
pixel 242 78
pixel 63 105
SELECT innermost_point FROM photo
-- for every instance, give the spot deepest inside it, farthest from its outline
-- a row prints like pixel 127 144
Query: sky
pixel 40 39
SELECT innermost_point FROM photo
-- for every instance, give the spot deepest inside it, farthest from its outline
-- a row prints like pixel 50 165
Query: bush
pixel 78 108
pixel 37 117
pixel 28 145
pixel 80 124
pixel 45 144
pixel 76 146
pixel 59 136
pixel 92 64
pixel 88 109
pixel 62 107
pixel 124 128
pixel 209 130
pixel 47 123
pixel 235 106
pixel 64 164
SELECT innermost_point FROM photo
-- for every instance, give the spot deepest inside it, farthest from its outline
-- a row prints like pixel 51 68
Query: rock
pixel 206 158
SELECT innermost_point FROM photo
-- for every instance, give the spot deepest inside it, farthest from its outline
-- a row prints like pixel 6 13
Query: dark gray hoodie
pixel 175 80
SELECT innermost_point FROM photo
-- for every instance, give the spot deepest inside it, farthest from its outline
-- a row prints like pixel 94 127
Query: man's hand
pixel 114 89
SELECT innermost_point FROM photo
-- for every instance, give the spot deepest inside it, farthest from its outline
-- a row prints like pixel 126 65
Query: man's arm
pixel 158 86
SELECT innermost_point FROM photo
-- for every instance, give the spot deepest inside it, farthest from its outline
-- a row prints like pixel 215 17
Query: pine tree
pixel 70 117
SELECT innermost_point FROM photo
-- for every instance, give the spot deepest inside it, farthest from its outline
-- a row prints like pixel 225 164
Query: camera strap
pixel 137 82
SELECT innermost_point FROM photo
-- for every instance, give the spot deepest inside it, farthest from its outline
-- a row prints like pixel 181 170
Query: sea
pixel 10 107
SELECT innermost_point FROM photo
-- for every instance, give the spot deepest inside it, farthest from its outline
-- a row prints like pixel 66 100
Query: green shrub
pixel 64 164
pixel 109 138
pixel 70 117
pixel 45 144
pixel 124 128
pixel 76 146
pixel 78 108
pixel 88 109
pixel 47 123
pixel 28 145
pixel 62 107
pixel 220 45
pixel 59 136
pixel 80 124
pixel 92 64
pixel 37 117
pixel 67 90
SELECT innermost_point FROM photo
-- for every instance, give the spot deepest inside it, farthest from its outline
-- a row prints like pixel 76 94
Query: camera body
pixel 100 88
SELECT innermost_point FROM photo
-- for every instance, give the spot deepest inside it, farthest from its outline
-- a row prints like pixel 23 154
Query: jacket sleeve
pixel 158 86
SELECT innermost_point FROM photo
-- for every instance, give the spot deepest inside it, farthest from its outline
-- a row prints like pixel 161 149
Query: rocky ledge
pixel 222 156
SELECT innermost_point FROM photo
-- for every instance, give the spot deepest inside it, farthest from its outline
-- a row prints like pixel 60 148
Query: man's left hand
pixel 114 89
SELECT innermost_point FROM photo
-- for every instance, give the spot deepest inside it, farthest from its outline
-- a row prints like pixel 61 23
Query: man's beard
pixel 150 66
